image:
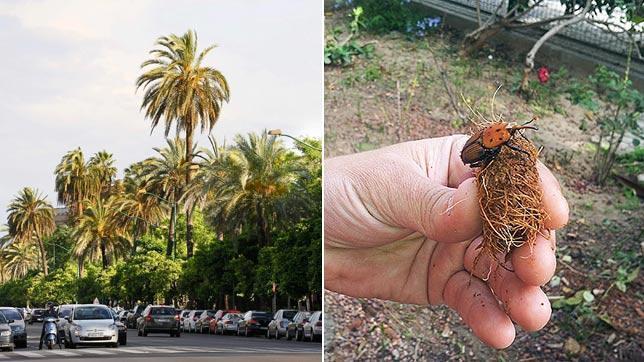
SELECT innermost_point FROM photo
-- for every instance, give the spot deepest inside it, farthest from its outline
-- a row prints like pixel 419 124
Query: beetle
pixel 485 144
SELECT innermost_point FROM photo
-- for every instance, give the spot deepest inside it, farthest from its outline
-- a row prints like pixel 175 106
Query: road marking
pixel 160 350
pixel 131 350
pixel 3 357
pixel 96 351
pixel 63 353
pixel 29 354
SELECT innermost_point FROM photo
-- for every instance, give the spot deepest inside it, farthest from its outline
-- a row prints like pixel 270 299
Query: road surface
pixel 160 347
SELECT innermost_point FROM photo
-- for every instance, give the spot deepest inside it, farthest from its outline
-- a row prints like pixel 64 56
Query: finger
pixel 536 264
pixel 526 304
pixel 441 213
pixel 458 171
pixel 474 302
pixel 554 203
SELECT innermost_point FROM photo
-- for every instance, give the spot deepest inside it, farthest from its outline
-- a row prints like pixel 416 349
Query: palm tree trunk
pixel 188 179
pixel 104 255
pixel 262 225
pixel 43 257
pixel 173 220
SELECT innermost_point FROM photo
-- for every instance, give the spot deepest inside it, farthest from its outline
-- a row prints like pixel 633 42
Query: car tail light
pixel 318 324
pixel 148 318
pixel 176 318
pixel 228 322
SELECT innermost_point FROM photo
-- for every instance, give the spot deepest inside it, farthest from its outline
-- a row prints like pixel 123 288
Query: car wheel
pixel 138 332
pixel 297 335
pixel 277 333
pixel 145 334
pixel 288 335
pixel 171 334
pixel 246 332
pixel 178 334
pixel 123 341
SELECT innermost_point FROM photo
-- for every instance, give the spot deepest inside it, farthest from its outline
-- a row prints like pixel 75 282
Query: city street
pixel 160 347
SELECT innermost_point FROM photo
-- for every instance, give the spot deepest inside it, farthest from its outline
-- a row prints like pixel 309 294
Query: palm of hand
pixel 402 223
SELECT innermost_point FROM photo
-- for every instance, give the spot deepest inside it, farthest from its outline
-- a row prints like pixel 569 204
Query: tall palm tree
pixel 167 178
pixel 100 233
pixel 75 182
pixel 31 218
pixel 254 182
pixel 184 92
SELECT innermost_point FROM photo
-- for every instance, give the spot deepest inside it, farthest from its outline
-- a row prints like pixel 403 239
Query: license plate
pixel 97 334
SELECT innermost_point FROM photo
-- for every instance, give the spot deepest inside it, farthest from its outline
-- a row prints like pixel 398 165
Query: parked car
pixel 182 318
pixel 17 324
pixel 36 315
pixel 295 328
pixel 227 324
pixel 220 314
pixel 312 329
pixel 277 327
pixel 159 319
pixel 121 327
pixel 91 324
pixel 189 322
pixel 203 320
pixel 6 337
pixel 122 316
pixel 134 315
pixel 64 310
pixel 253 322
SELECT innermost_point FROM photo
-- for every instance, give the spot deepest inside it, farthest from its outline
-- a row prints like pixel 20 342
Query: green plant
pixel 632 162
pixel 372 72
pixel 583 95
pixel 625 277
pixel 579 315
pixel 624 105
pixel 341 52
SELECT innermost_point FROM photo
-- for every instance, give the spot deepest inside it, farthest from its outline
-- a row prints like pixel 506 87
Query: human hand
pixel 402 223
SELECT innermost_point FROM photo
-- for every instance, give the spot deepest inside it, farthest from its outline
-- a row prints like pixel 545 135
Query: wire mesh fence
pixel 611 35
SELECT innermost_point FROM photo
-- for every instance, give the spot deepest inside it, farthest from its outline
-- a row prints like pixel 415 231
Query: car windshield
pixel 211 313
pixel 198 312
pixel 88 313
pixel 289 314
pixel 3 320
pixel 261 315
pixel 37 312
pixel 163 311
pixel 11 314
pixel 233 316
pixel 64 312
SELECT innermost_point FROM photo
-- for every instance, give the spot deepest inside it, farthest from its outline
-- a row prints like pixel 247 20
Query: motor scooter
pixel 50 337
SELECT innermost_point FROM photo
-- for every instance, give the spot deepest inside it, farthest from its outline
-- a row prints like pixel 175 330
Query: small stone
pixel 611 338
pixel 356 323
pixel 598 291
pixel 391 333
pixel 446 331
pixel 572 346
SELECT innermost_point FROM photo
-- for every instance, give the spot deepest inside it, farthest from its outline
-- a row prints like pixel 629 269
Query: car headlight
pixel 113 326
pixel 5 333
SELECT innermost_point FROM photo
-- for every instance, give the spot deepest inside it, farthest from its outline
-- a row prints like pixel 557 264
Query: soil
pixel 398 95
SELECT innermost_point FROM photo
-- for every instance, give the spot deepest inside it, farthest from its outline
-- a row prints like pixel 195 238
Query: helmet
pixel 50 305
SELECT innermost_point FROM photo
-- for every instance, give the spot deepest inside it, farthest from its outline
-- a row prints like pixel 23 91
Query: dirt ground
pixel 397 95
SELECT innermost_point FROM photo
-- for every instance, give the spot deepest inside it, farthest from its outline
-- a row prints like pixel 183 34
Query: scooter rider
pixel 49 312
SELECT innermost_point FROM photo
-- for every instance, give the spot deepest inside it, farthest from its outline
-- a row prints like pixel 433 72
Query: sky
pixel 68 71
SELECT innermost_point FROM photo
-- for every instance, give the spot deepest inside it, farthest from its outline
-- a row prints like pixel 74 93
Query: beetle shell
pixel 495 135
pixel 473 149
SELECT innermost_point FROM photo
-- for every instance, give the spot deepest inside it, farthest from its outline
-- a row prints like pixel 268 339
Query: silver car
pixel 17 325
pixel 91 324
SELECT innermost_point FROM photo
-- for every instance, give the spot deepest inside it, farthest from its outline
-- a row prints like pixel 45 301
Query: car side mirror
pixel 66 318
pixel 10 321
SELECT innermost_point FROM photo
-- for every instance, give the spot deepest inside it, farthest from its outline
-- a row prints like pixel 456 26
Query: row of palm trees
pixel 254 183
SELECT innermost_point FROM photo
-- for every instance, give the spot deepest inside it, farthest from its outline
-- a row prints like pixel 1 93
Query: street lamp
pixel 278 132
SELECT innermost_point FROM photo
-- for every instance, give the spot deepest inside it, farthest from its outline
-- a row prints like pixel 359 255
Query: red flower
pixel 543 75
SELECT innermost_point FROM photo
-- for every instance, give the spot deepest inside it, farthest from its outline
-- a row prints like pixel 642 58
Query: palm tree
pixel 19 259
pixel 138 205
pixel 100 232
pixel 101 165
pixel 167 178
pixel 75 182
pixel 253 182
pixel 31 218
pixel 184 92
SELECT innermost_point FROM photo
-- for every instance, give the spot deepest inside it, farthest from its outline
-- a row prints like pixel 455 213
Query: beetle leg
pixel 517 148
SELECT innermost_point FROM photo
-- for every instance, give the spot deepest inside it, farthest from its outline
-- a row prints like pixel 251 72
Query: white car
pixel 190 320
pixel 313 327
pixel 91 324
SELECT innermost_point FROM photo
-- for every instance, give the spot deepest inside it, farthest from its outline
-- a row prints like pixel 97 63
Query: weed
pixel 372 73
pixel 342 52
pixel 579 317
pixel 632 162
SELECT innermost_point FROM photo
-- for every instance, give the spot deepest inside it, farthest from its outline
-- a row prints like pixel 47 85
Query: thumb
pixel 439 212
